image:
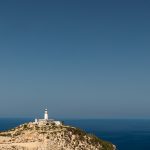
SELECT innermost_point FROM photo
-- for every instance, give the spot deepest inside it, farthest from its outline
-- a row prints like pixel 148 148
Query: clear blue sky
pixel 80 59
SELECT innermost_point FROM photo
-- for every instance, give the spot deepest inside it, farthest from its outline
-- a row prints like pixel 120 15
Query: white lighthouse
pixel 46 114
pixel 47 120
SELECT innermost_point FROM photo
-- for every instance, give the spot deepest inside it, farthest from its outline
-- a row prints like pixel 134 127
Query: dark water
pixel 125 134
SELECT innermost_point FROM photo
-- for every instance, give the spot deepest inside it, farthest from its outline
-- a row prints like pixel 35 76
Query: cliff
pixel 49 136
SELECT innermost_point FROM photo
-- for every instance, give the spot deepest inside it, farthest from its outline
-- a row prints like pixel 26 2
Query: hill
pixel 49 136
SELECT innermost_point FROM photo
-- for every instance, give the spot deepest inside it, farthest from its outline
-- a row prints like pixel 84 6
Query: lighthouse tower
pixel 46 120
pixel 46 114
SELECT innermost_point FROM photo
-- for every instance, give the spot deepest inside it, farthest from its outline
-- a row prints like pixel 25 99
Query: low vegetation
pixel 65 137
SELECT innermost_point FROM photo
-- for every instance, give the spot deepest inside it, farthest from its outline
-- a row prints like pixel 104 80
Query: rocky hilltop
pixel 49 136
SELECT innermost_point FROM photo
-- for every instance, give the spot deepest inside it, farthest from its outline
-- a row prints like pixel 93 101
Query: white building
pixel 47 120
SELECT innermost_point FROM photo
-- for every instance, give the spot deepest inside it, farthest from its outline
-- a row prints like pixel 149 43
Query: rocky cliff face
pixel 48 136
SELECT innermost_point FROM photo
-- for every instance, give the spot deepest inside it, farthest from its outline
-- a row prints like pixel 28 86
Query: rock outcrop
pixel 48 136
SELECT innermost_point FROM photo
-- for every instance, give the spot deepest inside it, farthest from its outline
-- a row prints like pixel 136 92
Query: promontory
pixel 49 136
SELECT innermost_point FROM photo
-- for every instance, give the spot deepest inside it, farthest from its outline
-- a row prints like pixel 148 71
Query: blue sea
pixel 125 134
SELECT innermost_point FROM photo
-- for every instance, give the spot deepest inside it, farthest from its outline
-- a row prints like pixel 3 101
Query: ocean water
pixel 125 134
